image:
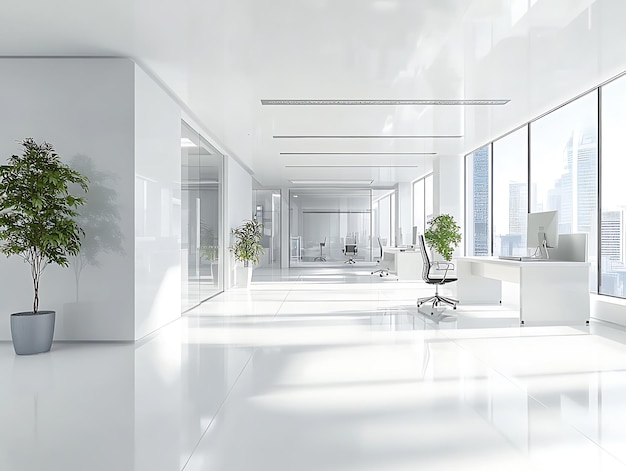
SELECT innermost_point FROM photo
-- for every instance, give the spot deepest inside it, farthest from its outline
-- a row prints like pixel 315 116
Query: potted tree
pixel 443 235
pixel 247 248
pixel 37 222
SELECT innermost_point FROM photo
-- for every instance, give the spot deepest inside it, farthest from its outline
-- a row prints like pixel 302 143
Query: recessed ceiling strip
pixel 426 102
pixel 417 136
pixel 351 166
pixel 358 153
pixel 331 182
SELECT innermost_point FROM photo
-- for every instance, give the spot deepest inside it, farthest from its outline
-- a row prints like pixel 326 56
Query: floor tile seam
pixel 578 431
pixel 535 399
pixel 621 461
pixel 218 410
pixel 230 390
pixel 279 308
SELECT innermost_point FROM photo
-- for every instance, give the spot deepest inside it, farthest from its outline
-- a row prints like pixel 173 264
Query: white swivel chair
pixel 382 271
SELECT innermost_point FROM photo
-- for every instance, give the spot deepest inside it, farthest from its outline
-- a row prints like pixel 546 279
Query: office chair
pixel 437 281
pixel 321 257
pixel 350 250
pixel 384 271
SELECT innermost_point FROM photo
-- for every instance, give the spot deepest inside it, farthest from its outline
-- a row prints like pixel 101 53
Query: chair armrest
pixel 444 265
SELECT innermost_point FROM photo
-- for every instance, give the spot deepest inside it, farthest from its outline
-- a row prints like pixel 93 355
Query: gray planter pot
pixel 32 333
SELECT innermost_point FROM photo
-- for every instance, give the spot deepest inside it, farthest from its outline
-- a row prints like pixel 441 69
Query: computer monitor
pixel 542 232
pixel 414 238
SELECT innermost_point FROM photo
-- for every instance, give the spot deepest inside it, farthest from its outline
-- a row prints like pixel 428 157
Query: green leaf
pixel 443 235
pixel 37 217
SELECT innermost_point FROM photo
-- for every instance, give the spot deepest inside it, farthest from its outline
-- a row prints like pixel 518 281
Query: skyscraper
pixel 579 183
pixel 518 207
pixel 480 187
pixel 612 235
pixel 518 215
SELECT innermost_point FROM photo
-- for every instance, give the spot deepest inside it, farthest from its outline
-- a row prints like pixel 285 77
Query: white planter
pixel 243 276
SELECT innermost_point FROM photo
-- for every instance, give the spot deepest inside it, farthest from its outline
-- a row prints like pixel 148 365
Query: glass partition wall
pixel 323 221
pixel 201 195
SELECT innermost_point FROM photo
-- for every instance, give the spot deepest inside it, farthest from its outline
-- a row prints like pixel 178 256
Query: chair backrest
pixel 425 259
pixel 323 244
pixel 380 245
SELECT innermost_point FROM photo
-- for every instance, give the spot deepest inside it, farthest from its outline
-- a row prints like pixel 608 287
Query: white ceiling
pixel 221 58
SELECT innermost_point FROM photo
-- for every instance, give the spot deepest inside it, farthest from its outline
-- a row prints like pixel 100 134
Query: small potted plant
pixel 247 248
pixel 443 235
pixel 209 247
pixel 37 222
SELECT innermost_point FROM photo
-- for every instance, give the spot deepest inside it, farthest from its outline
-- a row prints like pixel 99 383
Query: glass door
pixel 201 195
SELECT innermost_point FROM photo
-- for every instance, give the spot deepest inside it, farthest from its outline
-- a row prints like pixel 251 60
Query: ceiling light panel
pixel 428 102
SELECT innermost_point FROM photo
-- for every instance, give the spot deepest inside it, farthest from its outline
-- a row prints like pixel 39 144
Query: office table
pixel 405 263
pixel 548 292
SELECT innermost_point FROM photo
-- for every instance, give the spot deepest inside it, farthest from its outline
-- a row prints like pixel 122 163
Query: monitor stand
pixel 542 247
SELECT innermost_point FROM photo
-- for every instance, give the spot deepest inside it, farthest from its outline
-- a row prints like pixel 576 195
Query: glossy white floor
pixel 340 374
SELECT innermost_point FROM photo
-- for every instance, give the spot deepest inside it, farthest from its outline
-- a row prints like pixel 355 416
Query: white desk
pixel 550 292
pixel 406 263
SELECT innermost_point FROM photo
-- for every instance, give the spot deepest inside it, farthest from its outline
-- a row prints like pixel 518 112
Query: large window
pixel 428 198
pixel 422 202
pixel 419 215
pixel 564 169
pixel 478 198
pixel 510 186
pixel 569 171
pixel 612 224
pixel 382 224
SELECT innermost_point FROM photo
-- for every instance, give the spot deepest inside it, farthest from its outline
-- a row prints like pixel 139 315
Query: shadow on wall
pixel 99 217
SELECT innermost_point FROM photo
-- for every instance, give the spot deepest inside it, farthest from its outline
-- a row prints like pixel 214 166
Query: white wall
pixel 110 121
pixel 157 206
pixel 448 190
pixel 84 107
pixel 238 207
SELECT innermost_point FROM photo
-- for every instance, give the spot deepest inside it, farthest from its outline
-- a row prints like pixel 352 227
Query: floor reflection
pixel 322 376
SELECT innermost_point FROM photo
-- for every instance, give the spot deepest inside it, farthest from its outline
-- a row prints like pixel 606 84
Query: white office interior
pixel 334 132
